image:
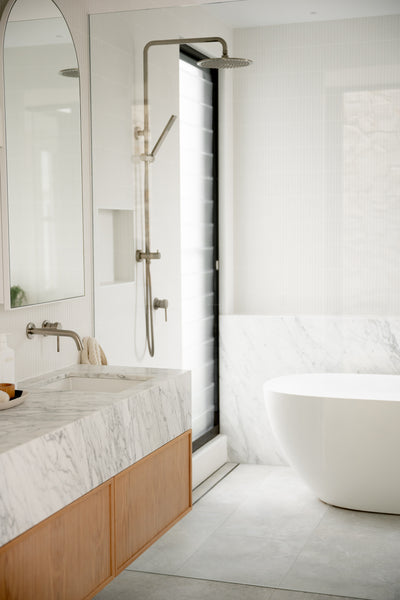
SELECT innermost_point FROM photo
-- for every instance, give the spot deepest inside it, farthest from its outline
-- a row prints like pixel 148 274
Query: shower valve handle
pixel 140 255
pixel 158 303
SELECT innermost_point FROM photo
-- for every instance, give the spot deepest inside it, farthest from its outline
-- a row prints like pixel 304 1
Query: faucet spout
pixel 48 328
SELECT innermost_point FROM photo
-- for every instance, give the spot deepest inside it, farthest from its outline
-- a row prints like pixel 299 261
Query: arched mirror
pixel 43 157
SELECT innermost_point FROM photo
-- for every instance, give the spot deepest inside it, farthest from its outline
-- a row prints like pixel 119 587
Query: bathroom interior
pixel 230 238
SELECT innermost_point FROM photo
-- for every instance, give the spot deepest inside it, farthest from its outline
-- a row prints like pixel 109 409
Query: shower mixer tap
pixel 140 255
pixel 161 303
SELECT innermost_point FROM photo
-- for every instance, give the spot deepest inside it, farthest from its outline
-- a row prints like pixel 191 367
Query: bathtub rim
pixel 269 386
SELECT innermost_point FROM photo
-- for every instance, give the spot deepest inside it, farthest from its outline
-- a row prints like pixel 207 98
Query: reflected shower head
pixel 224 62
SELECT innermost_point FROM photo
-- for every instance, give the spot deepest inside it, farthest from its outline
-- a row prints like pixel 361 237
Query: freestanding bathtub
pixel 341 433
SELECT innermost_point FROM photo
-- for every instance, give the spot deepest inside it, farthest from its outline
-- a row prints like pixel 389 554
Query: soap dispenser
pixel 7 361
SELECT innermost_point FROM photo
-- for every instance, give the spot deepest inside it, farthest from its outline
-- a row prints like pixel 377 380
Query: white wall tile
pixel 126 34
pixel 300 212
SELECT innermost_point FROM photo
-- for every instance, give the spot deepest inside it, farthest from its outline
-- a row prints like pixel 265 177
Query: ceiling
pixel 105 6
pixel 252 13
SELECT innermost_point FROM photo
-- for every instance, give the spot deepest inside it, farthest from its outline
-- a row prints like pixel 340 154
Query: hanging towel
pixel 92 353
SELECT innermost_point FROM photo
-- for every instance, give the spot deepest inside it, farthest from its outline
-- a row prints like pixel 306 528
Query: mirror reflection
pixel 43 141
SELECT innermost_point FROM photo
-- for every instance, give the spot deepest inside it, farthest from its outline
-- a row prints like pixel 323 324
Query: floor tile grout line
pixel 202 543
pixel 307 539
pixel 206 540
pixel 303 546
pixel 329 595
pixel 252 585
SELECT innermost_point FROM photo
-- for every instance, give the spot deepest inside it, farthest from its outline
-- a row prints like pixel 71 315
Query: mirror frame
pixel 5 278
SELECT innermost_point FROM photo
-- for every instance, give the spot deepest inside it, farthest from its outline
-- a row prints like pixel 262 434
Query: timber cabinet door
pixel 150 497
pixel 66 557
pixel 74 553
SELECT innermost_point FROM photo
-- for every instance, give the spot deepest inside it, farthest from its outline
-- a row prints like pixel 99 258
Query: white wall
pixel 316 217
pixel 39 354
pixel 317 211
pixel 119 319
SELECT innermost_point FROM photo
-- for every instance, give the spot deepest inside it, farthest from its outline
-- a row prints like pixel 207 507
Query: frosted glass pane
pixel 197 239
pixel 197 261
pixel 194 286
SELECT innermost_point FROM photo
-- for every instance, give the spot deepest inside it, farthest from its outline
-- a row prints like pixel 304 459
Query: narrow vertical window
pixel 199 239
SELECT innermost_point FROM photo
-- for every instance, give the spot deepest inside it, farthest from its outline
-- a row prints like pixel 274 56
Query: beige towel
pixel 92 353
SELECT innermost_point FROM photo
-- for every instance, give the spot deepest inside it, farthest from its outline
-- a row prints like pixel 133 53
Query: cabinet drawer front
pixel 150 496
pixel 67 557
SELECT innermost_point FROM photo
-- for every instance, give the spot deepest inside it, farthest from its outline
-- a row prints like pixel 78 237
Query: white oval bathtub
pixel 341 433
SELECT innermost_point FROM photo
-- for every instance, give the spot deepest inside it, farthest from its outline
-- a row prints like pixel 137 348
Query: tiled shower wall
pixel 117 43
pixel 316 214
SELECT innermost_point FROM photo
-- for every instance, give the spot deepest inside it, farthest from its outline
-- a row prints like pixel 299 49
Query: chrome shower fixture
pixel 71 72
pixel 223 62
pixel 150 157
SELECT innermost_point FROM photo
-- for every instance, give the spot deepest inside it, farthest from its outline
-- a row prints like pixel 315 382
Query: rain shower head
pixel 71 72
pixel 224 62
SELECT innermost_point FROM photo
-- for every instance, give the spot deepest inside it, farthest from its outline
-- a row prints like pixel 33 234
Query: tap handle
pixel 161 303
pixel 47 324
pixel 56 325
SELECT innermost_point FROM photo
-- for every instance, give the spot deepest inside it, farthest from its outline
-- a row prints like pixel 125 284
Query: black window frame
pixel 192 56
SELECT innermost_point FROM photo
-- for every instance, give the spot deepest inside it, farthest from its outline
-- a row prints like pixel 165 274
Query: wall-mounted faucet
pixel 48 328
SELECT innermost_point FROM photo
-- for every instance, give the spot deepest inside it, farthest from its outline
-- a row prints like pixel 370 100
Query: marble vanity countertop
pixel 57 445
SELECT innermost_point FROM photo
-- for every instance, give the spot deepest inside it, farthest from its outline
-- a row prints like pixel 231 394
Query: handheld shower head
pixel 224 62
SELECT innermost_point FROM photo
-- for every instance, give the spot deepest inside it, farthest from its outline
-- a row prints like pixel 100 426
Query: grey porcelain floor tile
pixel 291 595
pixel 170 552
pixel 252 476
pixel 282 508
pixel 146 586
pixel 242 559
pixel 243 482
pixel 272 523
pixel 350 554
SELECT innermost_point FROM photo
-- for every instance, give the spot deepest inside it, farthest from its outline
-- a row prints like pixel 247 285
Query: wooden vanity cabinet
pixel 77 551
pixel 68 556
pixel 150 496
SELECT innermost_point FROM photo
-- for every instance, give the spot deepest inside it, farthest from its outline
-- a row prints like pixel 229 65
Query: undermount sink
pixel 92 384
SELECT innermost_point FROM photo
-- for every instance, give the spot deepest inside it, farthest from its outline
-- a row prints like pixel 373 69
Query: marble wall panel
pixel 254 349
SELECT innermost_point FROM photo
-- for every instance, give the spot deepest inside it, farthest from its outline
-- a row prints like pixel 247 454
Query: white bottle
pixel 7 361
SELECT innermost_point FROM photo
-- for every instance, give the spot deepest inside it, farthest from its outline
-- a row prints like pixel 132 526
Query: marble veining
pixel 57 446
pixel 256 348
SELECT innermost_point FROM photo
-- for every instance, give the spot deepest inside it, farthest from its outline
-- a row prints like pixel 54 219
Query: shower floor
pixel 260 534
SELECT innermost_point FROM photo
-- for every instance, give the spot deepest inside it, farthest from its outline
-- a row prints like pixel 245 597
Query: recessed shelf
pixel 115 283
pixel 115 246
